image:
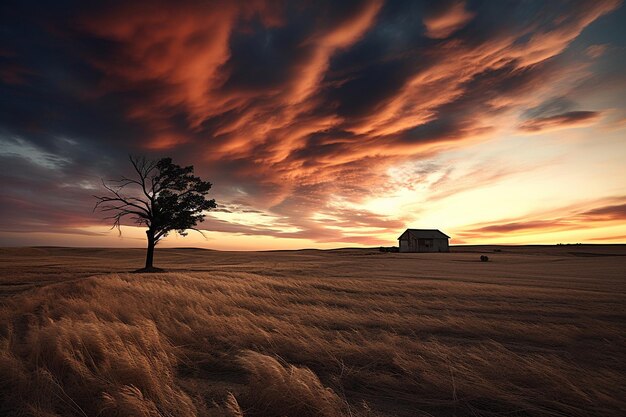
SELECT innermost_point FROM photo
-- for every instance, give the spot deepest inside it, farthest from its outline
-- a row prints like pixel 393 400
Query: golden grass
pixel 536 332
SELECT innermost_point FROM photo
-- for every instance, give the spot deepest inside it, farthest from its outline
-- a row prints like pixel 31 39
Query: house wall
pixel 409 244
pixel 441 245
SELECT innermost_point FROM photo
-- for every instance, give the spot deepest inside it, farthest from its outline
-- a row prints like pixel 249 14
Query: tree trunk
pixel 150 251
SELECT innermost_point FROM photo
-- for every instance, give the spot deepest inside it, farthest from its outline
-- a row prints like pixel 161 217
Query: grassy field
pixel 537 331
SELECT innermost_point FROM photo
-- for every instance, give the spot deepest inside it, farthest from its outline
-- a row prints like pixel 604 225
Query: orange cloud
pixel 545 44
pixel 186 52
pixel 324 44
pixel 164 141
pixel 179 46
pixel 444 23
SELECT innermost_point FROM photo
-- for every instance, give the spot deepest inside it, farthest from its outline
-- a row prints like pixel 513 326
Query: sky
pixel 320 124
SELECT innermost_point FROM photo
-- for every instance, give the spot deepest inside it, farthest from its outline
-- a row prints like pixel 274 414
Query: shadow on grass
pixel 151 270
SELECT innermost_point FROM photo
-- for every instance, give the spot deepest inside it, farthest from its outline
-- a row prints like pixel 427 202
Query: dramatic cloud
pixel 560 121
pixel 297 111
pixel 445 19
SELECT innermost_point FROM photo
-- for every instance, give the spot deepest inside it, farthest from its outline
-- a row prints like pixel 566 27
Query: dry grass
pixel 536 332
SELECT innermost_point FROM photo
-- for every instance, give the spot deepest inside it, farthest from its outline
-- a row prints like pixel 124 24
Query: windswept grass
pixel 320 334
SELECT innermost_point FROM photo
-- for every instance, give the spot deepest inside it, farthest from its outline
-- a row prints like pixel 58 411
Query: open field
pixel 538 331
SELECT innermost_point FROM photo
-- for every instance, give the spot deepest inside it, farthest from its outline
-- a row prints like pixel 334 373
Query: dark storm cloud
pixel 286 107
pixel 40 197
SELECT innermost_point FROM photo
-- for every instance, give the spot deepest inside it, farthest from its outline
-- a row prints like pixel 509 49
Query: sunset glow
pixel 320 125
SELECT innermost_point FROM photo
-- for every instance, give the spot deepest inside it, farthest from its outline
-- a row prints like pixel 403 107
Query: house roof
pixel 425 234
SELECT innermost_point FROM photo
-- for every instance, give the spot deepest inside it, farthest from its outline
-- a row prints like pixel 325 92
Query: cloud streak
pixel 560 121
pixel 446 19
pixel 605 212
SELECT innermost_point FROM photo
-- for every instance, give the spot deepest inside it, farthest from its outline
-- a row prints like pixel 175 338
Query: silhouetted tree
pixel 164 197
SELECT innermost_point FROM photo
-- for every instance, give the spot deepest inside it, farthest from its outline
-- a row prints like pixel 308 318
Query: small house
pixel 423 240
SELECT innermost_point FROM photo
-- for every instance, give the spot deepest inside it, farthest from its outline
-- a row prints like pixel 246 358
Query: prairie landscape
pixel 537 331
pixel 248 130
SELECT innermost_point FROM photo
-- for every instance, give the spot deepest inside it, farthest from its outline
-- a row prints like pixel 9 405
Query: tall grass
pixel 252 344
